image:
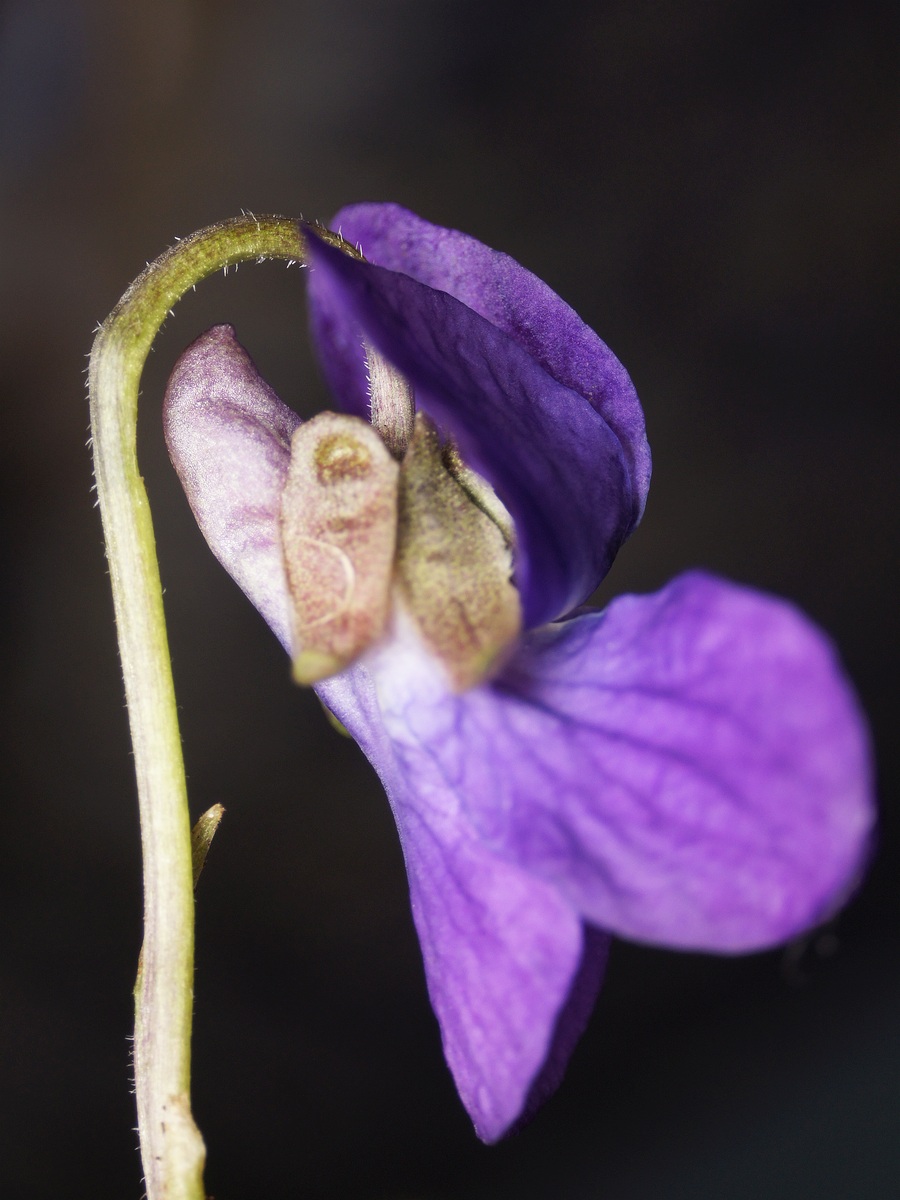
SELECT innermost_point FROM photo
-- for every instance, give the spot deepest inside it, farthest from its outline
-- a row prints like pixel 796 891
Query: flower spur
pixel 688 768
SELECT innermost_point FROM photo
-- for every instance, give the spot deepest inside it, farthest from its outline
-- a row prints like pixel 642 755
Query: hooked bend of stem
pixel 172 1149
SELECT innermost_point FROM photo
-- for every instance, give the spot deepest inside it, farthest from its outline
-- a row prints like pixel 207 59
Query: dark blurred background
pixel 714 187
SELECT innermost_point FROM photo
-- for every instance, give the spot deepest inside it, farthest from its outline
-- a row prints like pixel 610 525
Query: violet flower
pixel 688 768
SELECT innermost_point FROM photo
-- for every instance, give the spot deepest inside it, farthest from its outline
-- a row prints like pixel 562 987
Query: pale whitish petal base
pixel 229 438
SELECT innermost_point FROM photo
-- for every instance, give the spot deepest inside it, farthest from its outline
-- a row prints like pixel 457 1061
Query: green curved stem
pixel 171 1146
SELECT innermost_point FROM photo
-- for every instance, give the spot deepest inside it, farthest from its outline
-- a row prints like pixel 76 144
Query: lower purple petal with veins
pixel 512 973
pixel 688 768
pixel 501 951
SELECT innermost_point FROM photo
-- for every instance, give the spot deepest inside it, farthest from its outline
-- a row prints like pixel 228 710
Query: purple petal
pixel 688 768
pixel 553 460
pixel 501 950
pixel 229 437
pixel 497 288
pixel 511 974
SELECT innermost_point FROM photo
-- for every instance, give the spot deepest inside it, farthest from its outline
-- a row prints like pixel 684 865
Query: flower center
pixel 364 535
pixel 338 534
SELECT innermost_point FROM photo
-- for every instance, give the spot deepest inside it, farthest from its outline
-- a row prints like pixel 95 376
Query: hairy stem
pixel 171 1146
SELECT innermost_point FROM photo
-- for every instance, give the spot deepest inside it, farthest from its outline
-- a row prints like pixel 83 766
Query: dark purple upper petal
pixel 512 975
pixel 688 768
pixel 553 460
pixel 497 288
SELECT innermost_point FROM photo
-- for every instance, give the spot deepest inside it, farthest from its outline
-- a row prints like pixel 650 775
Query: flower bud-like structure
pixel 361 532
pixel 339 534
pixel 688 768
